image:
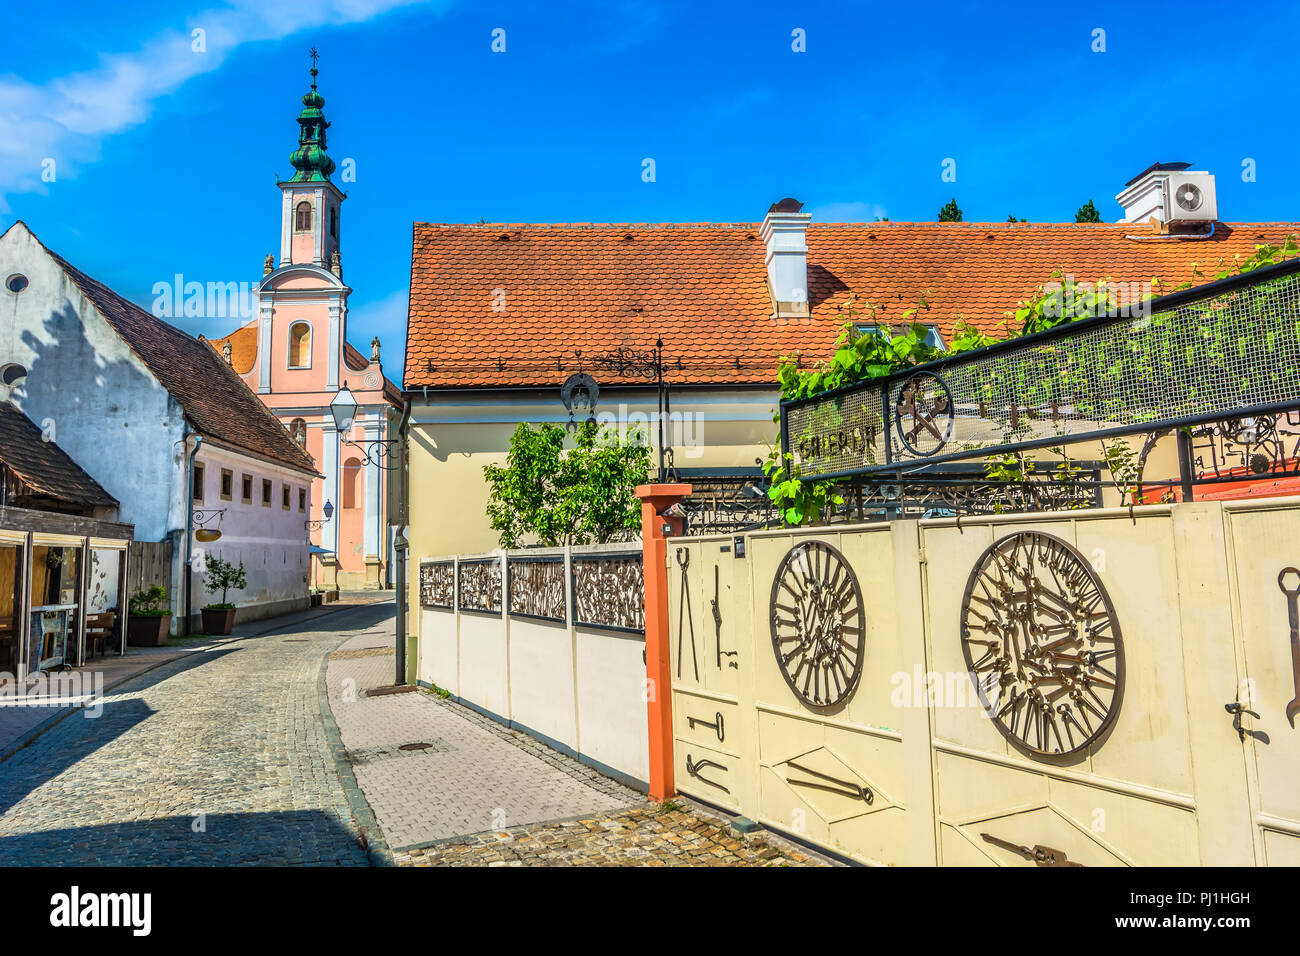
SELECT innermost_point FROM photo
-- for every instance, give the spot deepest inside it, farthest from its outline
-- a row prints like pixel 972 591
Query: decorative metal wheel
pixel 923 414
pixel 1043 645
pixel 818 625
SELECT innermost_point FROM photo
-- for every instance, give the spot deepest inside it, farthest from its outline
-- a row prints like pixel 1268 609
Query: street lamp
pixel 344 409
pixel 328 511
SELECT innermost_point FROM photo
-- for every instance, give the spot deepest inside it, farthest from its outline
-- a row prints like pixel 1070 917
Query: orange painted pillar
pixel 656 528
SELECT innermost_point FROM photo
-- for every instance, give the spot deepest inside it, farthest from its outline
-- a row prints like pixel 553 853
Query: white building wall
pixel 106 410
pixel 271 542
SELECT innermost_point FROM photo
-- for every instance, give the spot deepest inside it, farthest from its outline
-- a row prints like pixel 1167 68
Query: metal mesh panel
pixel 838 434
pixel 1207 358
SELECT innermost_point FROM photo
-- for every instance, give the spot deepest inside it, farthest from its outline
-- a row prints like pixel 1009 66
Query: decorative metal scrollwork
pixel 923 414
pixel 480 585
pixel 536 587
pixel 608 591
pixel 1043 645
pixel 818 625
pixel 438 584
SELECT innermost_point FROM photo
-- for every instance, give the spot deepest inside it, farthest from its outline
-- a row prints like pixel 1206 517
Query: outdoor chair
pixel 99 632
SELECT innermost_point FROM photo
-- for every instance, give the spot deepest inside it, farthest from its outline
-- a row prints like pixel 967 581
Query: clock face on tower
pixel 818 625
pixel 1042 644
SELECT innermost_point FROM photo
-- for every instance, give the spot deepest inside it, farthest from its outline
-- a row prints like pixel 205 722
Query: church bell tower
pixel 310 218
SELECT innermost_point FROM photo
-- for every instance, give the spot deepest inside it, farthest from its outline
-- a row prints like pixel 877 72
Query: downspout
pixel 188 497
pixel 400 543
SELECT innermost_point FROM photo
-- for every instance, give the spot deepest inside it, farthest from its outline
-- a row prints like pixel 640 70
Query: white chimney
pixel 1169 193
pixel 784 233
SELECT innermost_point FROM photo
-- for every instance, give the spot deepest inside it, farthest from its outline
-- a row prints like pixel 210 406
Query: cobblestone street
pixel 271 751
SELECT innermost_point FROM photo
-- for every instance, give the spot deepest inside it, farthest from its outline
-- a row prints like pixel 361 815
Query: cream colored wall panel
pixel 705 710
pixel 542 679
pixel 955 849
pixel 1148 743
pixel 1263 544
pixel 713 784
pixel 879 838
pixel 969 788
pixel 613 726
pixel 1281 849
pixel 781 736
pixel 484 666
pixel 880 759
pixel 780 806
pixel 1038 827
pixel 1137 830
pixel 950 554
pixel 439 650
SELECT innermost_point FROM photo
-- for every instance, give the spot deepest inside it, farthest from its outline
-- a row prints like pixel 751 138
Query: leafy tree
pixel 577 497
pixel 221 576
pixel 1087 213
pixel 1012 218
pixel 951 212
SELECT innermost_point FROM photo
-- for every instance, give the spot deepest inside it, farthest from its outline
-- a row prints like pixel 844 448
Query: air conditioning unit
pixel 1189 197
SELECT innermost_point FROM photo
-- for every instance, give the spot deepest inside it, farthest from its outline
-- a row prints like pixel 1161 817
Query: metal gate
pixel 1095 688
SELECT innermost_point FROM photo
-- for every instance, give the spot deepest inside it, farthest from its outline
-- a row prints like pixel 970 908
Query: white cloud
pixel 65 118
pixel 848 212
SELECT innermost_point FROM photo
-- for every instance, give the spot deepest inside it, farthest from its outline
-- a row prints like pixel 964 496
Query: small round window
pixel 12 374
pixel 16 283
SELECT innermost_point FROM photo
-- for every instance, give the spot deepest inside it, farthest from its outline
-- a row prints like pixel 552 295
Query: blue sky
pixel 166 158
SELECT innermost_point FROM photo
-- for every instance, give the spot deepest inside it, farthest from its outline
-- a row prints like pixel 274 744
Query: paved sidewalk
pixel 428 772
pixel 451 787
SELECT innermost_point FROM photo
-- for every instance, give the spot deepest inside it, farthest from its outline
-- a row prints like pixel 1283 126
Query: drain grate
pixel 414 748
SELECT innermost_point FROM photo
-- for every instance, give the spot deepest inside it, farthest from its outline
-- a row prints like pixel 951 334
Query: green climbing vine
pixel 866 351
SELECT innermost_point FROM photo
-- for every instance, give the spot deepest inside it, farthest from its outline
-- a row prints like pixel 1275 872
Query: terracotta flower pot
pixel 148 630
pixel 218 620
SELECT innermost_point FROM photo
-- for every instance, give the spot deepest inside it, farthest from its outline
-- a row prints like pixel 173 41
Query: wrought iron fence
pixel 1227 349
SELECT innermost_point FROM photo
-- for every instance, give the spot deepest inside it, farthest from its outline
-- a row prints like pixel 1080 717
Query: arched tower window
pixel 300 345
pixel 352 483
pixel 302 217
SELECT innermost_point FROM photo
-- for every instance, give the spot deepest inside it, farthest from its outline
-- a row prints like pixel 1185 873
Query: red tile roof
pixel 216 401
pixel 587 288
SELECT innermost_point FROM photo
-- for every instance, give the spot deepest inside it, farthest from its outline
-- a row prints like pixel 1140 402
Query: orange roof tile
pixel 513 304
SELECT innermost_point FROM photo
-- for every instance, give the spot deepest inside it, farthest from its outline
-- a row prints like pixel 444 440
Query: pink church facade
pixel 296 356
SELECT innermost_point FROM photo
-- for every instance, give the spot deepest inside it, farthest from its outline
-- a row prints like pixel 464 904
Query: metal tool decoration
pixel 684 607
pixel 717 623
pixel 716 726
pixel 1038 854
pixel 1293 612
pixel 694 768
pixel 1042 642
pixel 845 788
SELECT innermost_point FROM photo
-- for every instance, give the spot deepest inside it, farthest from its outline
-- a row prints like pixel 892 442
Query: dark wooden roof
pixel 42 466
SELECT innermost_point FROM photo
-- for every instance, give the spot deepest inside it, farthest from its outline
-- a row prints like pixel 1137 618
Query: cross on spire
pixel 314 57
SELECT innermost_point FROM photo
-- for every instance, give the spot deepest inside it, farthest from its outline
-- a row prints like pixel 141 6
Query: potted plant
pixel 151 617
pixel 222 576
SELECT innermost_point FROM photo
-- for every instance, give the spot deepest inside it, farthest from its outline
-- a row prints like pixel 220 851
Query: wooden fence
pixel 150 563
